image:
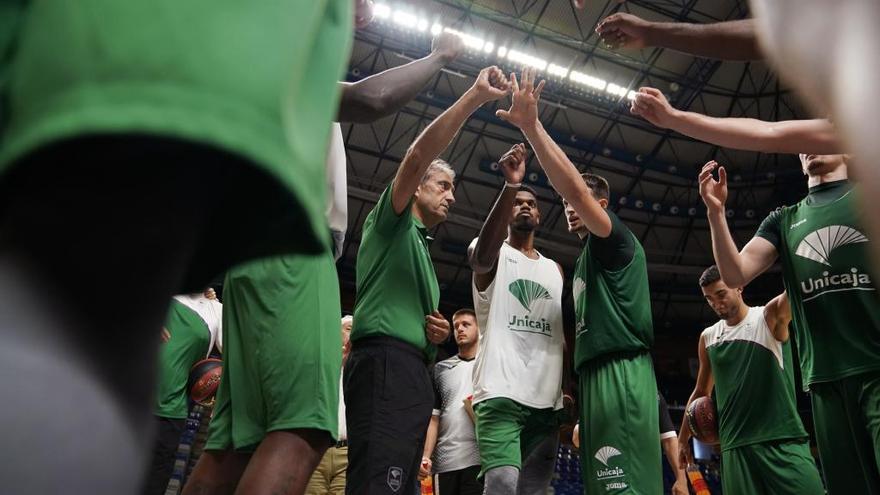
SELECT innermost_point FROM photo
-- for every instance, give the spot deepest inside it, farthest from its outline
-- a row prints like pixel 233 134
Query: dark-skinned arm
pixel 728 40
pixel 387 92
pixel 483 256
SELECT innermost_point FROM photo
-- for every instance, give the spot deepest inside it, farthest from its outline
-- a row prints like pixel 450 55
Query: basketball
pixel 204 379
pixel 701 418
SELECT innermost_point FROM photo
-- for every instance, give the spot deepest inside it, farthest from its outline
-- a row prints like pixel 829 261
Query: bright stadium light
pixel 381 11
pixel 586 80
pixel 405 19
pixel 525 59
pixel 408 20
pixel 557 70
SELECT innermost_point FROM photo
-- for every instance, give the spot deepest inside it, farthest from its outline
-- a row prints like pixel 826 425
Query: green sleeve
pixel 383 217
pixel 770 228
pixel 615 251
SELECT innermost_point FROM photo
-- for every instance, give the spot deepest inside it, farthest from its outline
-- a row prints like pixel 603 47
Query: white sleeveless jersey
pixel 521 336
pixel 211 311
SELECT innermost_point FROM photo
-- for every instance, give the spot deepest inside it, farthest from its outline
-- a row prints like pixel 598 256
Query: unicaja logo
pixel 578 288
pixel 605 453
pixel 527 292
pixel 819 245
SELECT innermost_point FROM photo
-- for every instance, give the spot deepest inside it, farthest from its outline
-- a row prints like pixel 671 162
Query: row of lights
pixel 409 20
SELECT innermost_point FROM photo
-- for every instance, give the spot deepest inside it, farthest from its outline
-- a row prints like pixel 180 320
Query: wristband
pixel 508 184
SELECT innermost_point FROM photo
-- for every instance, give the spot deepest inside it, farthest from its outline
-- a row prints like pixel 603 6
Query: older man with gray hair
pixel 388 391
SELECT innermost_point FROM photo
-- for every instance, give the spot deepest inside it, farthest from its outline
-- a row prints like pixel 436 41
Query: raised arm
pixel 490 85
pixel 563 175
pixel 703 388
pixel 790 136
pixel 777 315
pixel 387 92
pixel 729 40
pixel 483 257
pixel 737 268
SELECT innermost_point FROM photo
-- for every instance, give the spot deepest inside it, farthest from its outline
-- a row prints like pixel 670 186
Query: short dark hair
pixel 598 185
pixel 710 276
pixel 528 189
pixel 464 311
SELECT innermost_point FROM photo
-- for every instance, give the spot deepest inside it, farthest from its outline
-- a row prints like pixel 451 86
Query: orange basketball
pixel 702 420
pixel 204 379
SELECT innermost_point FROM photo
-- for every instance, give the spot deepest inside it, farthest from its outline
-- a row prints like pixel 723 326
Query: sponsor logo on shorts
pixel 611 475
pixel 395 478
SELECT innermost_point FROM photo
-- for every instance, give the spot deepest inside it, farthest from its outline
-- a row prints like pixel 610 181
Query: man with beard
pixel 451 445
pixel 746 358
pixel 834 306
pixel 614 330
pixel 518 373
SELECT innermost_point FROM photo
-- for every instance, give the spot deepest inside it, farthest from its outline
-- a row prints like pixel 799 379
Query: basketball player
pixel 746 358
pixel 190 333
pixel 834 303
pixel 614 331
pixel 451 451
pixel 282 312
pixel 518 372
pixel 388 395
pixel 828 51
pixel 668 442
pixel 159 143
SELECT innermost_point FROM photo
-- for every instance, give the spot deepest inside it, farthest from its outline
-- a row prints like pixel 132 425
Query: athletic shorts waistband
pixel 385 341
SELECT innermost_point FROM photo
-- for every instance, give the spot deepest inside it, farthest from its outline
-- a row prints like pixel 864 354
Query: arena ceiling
pixel 651 171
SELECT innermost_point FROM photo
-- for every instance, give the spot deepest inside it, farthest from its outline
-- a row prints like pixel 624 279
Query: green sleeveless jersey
pixel 754 382
pixel 612 307
pixel 834 302
pixel 190 341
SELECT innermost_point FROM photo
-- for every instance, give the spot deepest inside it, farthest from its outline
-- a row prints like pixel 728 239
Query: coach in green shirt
pixel 388 393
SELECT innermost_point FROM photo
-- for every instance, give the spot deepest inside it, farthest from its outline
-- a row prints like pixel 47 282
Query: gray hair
pixel 438 165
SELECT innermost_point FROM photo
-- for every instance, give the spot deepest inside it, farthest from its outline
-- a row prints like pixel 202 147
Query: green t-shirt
pixel 754 382
pixel 612 299
pixel 189 342
pixel 834 301
pixel 396 283
pixel 255 79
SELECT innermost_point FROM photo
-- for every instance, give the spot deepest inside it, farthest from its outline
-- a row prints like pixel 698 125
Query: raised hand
pixel 523 111
pixel 491 84
pixel 363 13
pixel 436 327
pixel 651 105
pixel 513 164
pixel 622 30
pixel 713 192
pixel 448 46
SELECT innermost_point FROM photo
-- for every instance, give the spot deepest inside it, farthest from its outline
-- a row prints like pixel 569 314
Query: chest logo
pixel 819 244
pixel 577 288
pixel 527 292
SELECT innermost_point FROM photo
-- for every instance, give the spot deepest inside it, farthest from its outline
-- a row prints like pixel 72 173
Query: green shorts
pixel 507 431
pixel 846 413
pixel 620 446
pixel 282 350
pixel 778 467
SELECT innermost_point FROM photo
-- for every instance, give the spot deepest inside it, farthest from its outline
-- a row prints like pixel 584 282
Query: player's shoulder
pixel 708 334
pixel 447 364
